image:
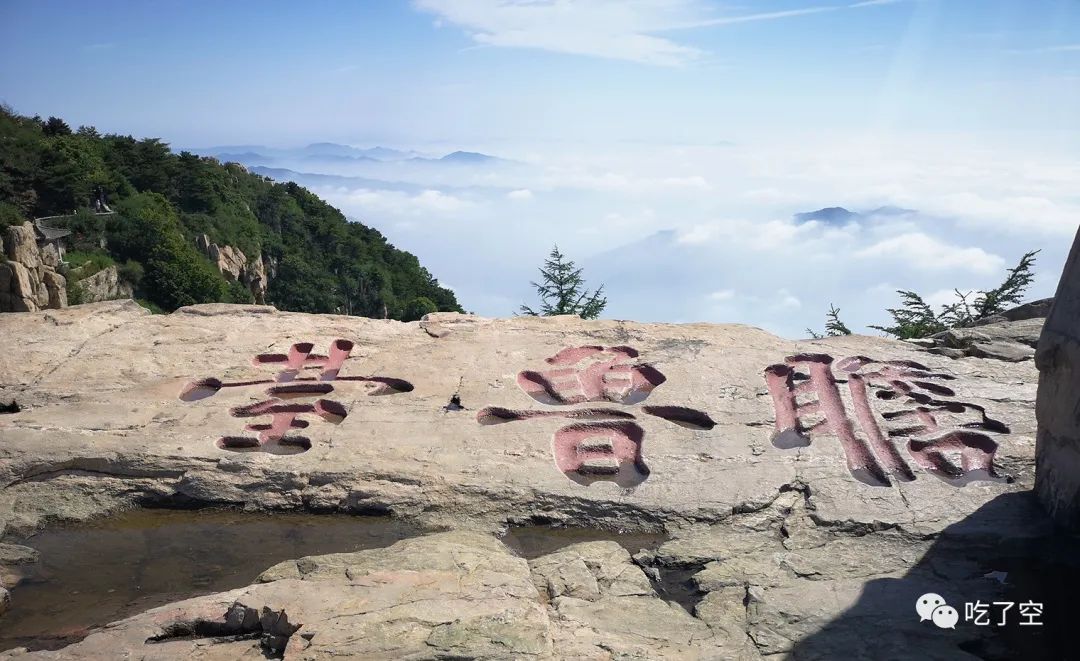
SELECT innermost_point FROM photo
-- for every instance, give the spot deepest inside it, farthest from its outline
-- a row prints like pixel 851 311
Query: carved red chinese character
pixel 601 450
pixel 810 403
pixel 607 447
pixel 289 383
pixel 591 374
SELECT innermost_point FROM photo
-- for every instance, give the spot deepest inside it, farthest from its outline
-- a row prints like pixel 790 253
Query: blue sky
pixel 469 70
pixel 665 144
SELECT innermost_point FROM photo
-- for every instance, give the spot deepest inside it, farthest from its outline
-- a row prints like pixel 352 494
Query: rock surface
pixel 28 279
pixel 56 285
pixel 1039 309
pixel 455 595
pixel 1058 410
pixel 21 245
pixel 1011 336
pixel 794 535
pixel 105 285
pixel 236 266
pixel 114 374
pixel 602 605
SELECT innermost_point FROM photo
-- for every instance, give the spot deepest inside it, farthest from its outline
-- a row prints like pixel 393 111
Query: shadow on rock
pixel 1006 552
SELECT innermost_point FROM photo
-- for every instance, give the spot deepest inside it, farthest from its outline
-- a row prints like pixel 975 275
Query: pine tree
pixel 56 126
pixel 833 325
pixel 917 319
pixel 562 290
pixel 914 319
pixel 1009 292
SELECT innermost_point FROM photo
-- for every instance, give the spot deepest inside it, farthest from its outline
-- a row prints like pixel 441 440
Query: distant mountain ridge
pixel 334 152
pixel 469 157
pixel 316 179
pixel 842 216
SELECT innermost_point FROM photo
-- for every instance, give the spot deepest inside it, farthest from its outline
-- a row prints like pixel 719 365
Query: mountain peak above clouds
pixel 842 216
pixel 468 157
pixel 828 215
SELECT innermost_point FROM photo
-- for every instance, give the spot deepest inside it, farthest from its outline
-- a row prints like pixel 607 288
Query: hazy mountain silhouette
pixel 331 152
pixel 842 216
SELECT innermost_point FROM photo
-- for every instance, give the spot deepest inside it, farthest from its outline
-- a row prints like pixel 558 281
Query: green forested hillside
pixel 321 262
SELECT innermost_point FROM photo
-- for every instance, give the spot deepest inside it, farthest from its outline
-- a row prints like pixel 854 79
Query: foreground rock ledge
pixel 796 533
pixel 669 424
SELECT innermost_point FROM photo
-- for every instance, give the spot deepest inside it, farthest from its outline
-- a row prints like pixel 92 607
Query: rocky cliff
pixel 236 266
pixel 105 285
pixel 29 280
pixel 810 491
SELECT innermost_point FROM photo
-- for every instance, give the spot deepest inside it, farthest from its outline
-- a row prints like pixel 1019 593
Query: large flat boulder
pixel 592 421
pixel 811 489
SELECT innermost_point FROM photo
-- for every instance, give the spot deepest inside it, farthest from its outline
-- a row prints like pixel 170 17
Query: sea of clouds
pixel 686 233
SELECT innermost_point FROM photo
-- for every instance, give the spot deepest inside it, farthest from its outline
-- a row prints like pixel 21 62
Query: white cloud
pixel 785 300
pixel 928 253
pixel 1063 48
pixel 520 194
pixel 751 18
pixel 434 200
pixel 364 202
pixel 616 29
pixel 873 3
pixel 759 235
pixel 768 195
pixel 638 219
pixel 633 183
pixel 941 297
pixel 696 181
pixel 697 234
pixel 1020 214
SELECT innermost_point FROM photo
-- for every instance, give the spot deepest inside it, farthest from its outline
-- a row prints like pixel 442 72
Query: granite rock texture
pixel 807 488
pixel 1058 409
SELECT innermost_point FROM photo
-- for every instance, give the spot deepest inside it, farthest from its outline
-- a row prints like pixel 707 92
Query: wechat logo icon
pixel 932 607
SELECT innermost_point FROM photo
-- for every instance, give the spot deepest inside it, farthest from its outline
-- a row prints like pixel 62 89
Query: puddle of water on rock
pixel 91 574
pixel 672 585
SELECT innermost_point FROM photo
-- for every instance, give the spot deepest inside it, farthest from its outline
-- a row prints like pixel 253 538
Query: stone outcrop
pixel 254 277
pixel 105 285
pixel 236 267
pixel 808 490
pixel 28 278
pixel 50 255
pixel 21 245
pixel 1039 309
pixel 1058 409
pixel 1011 336
pixel 56 286
pixel 602 605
